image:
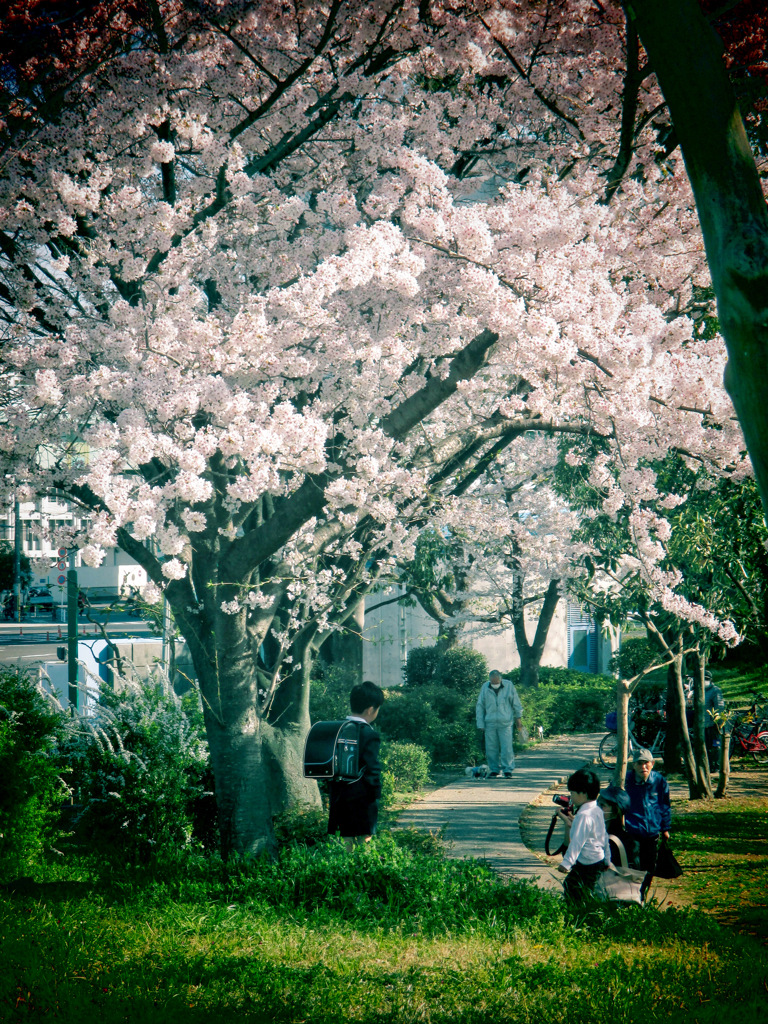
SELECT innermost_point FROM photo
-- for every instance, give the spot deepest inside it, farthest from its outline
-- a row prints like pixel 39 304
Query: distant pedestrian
pixel 649 814
pixel 354 806
pixel 588 853
pixel 498 710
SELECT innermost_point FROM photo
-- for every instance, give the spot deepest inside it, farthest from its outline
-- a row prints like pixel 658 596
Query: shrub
pixel 301 824
pixel 457 668
pixel 329 693
pixel 32 789
pixel 420 666
pixel 439 719
pixel 140 770
pixel 632 657
pixel 569 707
pixel 408 764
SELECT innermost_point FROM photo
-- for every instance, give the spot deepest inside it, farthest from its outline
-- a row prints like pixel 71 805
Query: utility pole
pixel 72 611
pixel 17 557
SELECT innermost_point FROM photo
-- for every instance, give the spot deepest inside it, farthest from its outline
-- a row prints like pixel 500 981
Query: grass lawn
pixel 723 848
pixel 391 933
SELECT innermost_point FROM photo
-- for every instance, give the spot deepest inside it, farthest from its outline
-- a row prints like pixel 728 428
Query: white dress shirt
pixel 589 839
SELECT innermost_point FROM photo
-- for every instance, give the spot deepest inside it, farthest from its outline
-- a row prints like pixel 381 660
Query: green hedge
pixel 31 786
pixel 439 719
pixel 407 763
pixel 565 700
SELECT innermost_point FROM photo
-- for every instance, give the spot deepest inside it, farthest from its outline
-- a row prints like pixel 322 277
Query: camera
pixel 563 803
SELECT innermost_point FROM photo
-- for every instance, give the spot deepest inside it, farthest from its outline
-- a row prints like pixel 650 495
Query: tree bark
pixel 699 743
pixel 256 756
pixel 725 762
pixel 531 653
pixel 686 56
pixel 623 691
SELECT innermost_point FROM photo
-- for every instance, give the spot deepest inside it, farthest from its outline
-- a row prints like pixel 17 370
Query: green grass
pixel 723 848
pixel 388 933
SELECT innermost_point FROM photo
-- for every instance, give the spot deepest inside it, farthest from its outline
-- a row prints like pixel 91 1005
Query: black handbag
pixel 666 864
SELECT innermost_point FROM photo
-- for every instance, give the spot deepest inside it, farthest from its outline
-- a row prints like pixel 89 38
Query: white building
pixel 392 631
pixel 118 574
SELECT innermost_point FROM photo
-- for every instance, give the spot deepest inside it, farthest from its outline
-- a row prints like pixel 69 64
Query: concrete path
pixel 482 816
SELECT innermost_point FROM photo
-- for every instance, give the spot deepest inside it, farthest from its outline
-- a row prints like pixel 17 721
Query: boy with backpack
pixel 354 806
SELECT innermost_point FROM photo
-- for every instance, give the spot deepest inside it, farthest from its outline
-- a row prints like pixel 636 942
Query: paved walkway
pixel 482 816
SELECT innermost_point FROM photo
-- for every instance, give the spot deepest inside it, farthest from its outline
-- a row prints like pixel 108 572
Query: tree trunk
pixel 725 762
pixel 448 636
pixel 698 784
pixel 673 747
pixel 622 733
pixel 257 759
pixel 701 757
pixel 686 55
pixel 531 654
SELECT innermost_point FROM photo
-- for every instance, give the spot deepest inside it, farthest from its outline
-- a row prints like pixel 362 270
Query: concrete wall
pixel 392 631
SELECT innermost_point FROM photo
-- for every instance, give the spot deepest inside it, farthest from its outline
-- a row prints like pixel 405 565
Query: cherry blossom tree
pixel 687 58
pixel 279 284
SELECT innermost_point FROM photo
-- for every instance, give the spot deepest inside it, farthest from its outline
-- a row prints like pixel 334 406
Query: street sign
pixel 62 552
pixel 61 579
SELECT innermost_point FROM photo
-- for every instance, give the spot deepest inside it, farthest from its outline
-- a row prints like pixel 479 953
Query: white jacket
pixel 498 708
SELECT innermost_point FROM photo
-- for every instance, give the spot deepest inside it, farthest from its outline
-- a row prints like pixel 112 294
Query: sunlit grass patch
pixel 204 941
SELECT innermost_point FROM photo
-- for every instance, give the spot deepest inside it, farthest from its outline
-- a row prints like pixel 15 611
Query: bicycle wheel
pixel 609 750
pixel 760 750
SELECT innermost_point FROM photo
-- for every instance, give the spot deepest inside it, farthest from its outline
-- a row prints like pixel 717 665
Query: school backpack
pixel 332 751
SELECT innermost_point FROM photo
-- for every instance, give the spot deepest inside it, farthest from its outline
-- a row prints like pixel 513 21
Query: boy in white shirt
pixel 588 851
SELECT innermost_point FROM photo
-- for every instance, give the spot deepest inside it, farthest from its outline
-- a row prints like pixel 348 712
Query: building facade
pixel 392 631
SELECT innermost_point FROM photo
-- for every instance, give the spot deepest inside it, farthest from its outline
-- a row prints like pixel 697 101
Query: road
pixel 34 641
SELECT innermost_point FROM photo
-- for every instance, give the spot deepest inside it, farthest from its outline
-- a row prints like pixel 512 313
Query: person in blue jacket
pixel 649 814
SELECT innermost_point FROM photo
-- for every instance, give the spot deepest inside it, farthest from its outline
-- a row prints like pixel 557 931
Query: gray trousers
pixel 499 752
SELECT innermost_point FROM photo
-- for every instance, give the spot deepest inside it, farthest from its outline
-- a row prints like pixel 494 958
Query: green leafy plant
pixel 32 789
pixel 632 657
pixel 140 770
pixel 408 764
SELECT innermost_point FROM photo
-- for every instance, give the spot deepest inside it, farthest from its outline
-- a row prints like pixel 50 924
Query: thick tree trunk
pixel 256 757
pixel 687 58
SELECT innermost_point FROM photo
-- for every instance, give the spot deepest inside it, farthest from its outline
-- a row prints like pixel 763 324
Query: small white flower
pixel 173 569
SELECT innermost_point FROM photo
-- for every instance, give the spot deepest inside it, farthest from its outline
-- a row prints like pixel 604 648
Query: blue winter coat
pixel 649 808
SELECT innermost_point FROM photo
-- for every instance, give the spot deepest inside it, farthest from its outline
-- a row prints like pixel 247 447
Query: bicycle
pixel 608 750
pixel 749 735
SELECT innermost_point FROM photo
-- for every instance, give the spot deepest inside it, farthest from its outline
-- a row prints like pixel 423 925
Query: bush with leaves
pixel 439 719
pixel 407 763
pixel 31 789
pixel 329 693
pixel 566 701
pixel 632 657
pixel 140 769
pixel 457 668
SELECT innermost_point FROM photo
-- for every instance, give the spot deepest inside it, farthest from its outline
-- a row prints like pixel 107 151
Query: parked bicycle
pixel 749 734
pixel 648 731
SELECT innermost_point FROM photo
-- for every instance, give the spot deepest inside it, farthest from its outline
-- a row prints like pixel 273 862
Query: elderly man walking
pixel 498 709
